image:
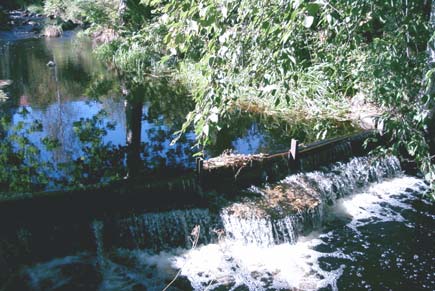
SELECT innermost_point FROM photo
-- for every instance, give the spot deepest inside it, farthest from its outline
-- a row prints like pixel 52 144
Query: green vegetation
pixel 35 8
pixel 295 60
pixel 21 169
pixel 301 60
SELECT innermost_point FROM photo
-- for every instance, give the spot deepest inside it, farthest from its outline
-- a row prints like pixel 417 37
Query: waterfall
pixel 278 213
pixel 269 215
pixel 261 249
pixel 166 229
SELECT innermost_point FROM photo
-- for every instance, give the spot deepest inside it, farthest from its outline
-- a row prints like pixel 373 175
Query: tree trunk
pixel 133 112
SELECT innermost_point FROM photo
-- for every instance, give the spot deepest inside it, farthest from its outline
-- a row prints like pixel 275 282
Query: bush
pixel 35 9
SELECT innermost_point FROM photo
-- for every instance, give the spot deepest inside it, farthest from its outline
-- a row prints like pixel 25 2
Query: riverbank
pixel 24 24
pixel 21 22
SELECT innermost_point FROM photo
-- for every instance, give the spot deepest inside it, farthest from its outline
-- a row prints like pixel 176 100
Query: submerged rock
pixel 52 31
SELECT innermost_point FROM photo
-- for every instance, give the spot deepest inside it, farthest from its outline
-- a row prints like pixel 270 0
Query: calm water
pixel 79 101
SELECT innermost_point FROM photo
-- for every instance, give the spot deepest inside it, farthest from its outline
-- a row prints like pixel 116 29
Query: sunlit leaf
pixel 308 21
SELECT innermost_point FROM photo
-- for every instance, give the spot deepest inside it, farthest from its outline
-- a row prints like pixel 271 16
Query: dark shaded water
pixel 377 235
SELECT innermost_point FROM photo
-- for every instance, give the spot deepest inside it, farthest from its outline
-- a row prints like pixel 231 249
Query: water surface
pixel 80 110
pixel 375 237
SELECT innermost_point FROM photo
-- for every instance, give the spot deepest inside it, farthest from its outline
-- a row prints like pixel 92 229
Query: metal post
pixel 293 151
pixel 199 167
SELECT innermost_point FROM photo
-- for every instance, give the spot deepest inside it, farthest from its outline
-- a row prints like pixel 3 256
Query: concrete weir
pixel 242 171
pixel 264 216
pixel 187 190
pixel 161 215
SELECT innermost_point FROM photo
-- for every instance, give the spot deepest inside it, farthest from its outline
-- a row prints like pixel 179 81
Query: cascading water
pixel 326 156
pixel 370 219
pixel 167 229
pixel 312 263
pixel 297 203
pixel 275 214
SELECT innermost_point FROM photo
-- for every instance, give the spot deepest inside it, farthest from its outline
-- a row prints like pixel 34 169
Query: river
pixel 70 125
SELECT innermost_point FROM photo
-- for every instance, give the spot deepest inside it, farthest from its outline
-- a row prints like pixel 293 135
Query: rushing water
pixel 375 232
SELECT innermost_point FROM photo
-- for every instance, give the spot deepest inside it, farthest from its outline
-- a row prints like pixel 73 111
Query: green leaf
pixel 312 8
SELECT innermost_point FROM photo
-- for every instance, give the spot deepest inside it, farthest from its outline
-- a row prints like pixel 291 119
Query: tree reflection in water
pixel 70 125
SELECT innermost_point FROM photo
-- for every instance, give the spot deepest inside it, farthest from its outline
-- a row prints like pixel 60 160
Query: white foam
pixel 232 263
pixel 289 266
pixel 280 266
pixel 381 202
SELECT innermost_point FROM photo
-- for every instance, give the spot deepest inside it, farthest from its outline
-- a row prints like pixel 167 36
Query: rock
pixel 52 31
pixel 5 83
pixel 182 283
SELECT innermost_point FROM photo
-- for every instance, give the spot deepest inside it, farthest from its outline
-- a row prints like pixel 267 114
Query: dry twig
pixel 194 239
